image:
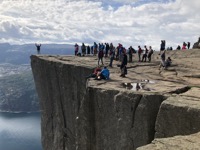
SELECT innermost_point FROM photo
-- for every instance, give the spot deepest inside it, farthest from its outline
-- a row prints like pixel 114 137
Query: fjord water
pixel 20 131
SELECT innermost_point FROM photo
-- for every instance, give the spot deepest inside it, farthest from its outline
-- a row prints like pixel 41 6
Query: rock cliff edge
pixel 86 114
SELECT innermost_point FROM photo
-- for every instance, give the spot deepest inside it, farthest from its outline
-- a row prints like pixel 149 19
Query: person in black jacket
pixel 38 47
pixel 123 64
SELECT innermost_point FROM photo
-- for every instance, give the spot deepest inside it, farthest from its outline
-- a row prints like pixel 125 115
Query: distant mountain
pixel 20 54
pixel 17 88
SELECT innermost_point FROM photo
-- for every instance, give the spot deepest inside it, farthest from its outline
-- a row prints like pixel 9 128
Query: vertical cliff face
pixel 61 89
pixel 111 119
pixel 80 114
pixel 77 116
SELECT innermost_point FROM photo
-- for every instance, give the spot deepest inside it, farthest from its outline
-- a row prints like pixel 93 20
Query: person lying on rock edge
pixel 94 74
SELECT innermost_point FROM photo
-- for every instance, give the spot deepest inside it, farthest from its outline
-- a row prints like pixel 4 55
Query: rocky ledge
pixel 86 114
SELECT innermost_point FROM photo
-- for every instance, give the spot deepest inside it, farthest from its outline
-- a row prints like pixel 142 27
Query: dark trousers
pixel 100 58
pixel 111 61
pixel 139 56
pixel 144 57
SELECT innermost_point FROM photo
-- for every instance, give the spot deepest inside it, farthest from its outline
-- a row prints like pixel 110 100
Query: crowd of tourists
pixel 118 53
pixel 123 55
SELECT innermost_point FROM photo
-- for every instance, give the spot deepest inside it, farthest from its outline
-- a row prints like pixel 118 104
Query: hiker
pixel 111 47
pixel 83 48
pixel 95 46
pixel 92 50
pixel 162 56
pixel 76 46
pixel 150 53
pixel 117 53
pixel 100 55
pixel 168 62
pixel 107 49
pixel 123 64
pixel 112 56
pixel 88 50
pixel 139 53
pixel 188 45
pixel 38 47
pixel 104 74
pixel 130 53
pixel 184 46
pixel 120 49
pixel 94 74
pixel 145 52
pixel 162 45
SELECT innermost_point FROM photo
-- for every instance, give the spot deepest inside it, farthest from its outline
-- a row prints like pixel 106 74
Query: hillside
pixel 17 89
pixel 17 93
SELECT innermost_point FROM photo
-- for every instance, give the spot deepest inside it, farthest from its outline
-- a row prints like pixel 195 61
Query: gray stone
pixel 190 142
pixel 94 115
pixel 179 115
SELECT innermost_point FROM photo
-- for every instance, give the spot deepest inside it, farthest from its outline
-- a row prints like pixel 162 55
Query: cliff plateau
pixel 86 114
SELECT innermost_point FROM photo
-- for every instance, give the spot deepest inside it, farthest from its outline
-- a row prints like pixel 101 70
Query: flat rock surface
pixel 183 72
pixel 190 142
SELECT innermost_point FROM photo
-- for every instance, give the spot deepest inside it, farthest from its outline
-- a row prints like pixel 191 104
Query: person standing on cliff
pixel 112 56
pixel 88 50
pixel 83 48
pixel 123 64
pixel 162 45
pixel 95 46
pixel 76 46
pixel 130 53
pixel 38 47
pixel 188 45
pixel 150 53
pixel 139 53
pixel 100 54
pixel 145 52
pixel 162 63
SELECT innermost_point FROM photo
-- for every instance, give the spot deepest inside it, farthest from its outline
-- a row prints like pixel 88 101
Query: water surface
pixel 20 131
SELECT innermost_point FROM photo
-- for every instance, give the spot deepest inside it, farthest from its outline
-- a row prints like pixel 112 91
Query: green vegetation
pixel 17 93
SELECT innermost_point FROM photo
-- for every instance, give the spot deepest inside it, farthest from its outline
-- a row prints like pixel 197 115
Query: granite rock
pixel 86 114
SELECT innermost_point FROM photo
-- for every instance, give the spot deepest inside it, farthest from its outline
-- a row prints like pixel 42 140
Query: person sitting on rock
pixel 104 74
pixel 168 62
pixel 94 74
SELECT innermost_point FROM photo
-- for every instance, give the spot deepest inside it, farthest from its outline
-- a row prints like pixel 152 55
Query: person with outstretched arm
pixel 38 47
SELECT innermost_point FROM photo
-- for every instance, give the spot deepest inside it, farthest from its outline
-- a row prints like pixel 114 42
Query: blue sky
pixel 130 22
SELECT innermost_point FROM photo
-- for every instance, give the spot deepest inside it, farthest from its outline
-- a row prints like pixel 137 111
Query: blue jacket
pixel 105 73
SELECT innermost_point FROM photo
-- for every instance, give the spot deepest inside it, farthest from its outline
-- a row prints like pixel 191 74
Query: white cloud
pixel 70 21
